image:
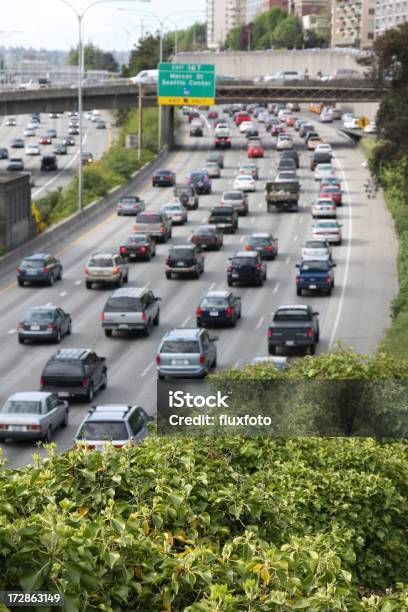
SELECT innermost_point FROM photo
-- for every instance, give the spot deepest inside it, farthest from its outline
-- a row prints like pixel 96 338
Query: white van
pixel 345 73
pixel 146 77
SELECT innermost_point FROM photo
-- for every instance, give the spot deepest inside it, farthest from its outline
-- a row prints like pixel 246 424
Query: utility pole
pixel 140 127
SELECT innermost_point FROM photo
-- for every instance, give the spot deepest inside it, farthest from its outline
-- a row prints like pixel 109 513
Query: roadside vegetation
pixel 114 168
pixel 224 524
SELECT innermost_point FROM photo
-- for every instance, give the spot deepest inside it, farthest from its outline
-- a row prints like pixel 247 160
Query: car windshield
pixel 332 225
pixel 330 190
pixel 197 175
pixel 148 218
pixel 204 231
pixel 324 168
pixel 222 212
pixel 315 244
pixel 123 304
pixel 244 177
pixel 232 195
pixel 103 430
pixel 171 207
pixel 21 407
pixel 243 260
pixel 162 173
pixel 291 314
pixel 137 239
pixel 180 346
pixel 259 240
pixel 181 253
pixel 101 262
pixel 319 266
pixel 33 263
pixel 214 302
pixel 129 199
pixel 39 316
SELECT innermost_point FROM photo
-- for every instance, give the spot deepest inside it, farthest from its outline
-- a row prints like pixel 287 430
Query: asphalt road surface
pixel 357 313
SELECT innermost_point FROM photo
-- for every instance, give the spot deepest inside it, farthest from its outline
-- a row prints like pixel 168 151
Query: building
pixel 17 224
pixel 389 14
pixel 222 15
pixel 300 8
pixel 353 23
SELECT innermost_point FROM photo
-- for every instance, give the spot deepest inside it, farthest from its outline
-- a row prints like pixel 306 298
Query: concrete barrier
pixel 45 241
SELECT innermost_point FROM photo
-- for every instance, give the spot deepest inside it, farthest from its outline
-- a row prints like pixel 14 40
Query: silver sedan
pixel 33 415
pixel 176 212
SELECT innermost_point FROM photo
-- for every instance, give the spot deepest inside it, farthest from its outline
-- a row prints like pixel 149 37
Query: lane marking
pixel 261 320
pixel 211 286
pixel 295 239
pixel 288 259
pixel 12 331
pixel 147 369
pixel 276 287
pixel 186 320
pixel 242 239
pixel 253 220
pixel 63 293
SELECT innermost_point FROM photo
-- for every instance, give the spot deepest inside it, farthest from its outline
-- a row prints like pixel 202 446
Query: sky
pixel 51 24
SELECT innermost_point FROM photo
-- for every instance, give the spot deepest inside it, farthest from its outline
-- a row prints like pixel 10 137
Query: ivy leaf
pixel 31 581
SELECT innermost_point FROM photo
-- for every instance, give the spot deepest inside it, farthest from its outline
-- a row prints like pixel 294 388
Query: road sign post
pixel 186 84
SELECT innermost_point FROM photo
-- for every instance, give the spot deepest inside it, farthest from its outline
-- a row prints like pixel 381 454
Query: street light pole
pixel 80 17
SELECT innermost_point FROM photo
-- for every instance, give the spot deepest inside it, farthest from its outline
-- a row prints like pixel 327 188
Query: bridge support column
pixel 168 126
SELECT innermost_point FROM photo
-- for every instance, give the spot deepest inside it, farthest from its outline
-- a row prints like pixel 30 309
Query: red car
pixel 277 129
pixel 193 115
pixel 333 192
pixel 240 117
pixel 255 149
pixel 290 121
pixel 212 114
pixel 44 140
pixel 222 142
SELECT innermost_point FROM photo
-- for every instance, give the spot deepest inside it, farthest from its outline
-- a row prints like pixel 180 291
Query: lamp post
pixel 80 17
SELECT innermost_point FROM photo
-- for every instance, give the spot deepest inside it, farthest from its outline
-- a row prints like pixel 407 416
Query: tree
pixel 264 27
pixel 234 38
pixel 94 58
pixel 289 33
pixel 145 56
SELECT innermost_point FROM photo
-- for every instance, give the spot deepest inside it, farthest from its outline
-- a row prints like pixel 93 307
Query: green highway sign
pixel 184 84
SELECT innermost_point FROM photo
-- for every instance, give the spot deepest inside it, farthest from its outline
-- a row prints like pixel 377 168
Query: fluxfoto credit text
pixel 223 420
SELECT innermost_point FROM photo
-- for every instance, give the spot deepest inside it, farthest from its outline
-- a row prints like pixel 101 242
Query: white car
pixel 325 117
pixel 32 149
pixel 245 182
pixel 222 129
pixel 329 230
pixel 284 142
pixel 29 132
pixel 176 212
pixel 351 124
pixel 32 125
pixel 262 117
pixel 284 114
pixel 347 116
pixel 246 125
pixel 323 208
pixel 323 148
pixel 371 128
pixel 10 121
pixel 324 171
pixel 286 175
pixel 316 249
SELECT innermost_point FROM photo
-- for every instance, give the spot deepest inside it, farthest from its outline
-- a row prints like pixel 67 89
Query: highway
pixel 95 141
pixel 357 313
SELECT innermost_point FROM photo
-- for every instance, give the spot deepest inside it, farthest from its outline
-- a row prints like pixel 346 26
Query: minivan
pixel 186 353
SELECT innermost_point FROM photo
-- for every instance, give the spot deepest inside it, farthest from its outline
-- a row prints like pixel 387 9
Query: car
pixel 74 122
pixel 106 268
pixel 186 353
pixel 246 125
pixel 15 164
pixel 201 181
pixel 100 124
pixel 313 142
pixel 329 230
pixel 32 415
pixel 29 132
pixel 10 121
pixel 87 159
pixel 213 169
pixel 236 198
pixel 305 128
pixel 325 117
pixel 323 171
pixel 117 425
pixel 32 149
pixel 193 114
pixel 371 128
pixel 284 142
pixel 244 182
pixel 212 114
pixel 35 117
pixel 221 130
pixel 255 149
pixel 298 124
pixel 216 157
pixel 246 267
pixel 44 323
pixel 333 192
pixel 270 123
pixel 290 121
pixel 324 207
pixel 17 143
pixel 49 162
pixel 130 309
pixel 290 154
pixel 52 133
pixel 3 153
pixel 315 275
pixel 68 141
pixel 187 196
pixel 252 134
pixel 224 218
pixel 208 236
pixel 323 147
pixel 196 129
pixel 186 260
pixel 335 113
pixel 54 115
pixel 286 164
pixel 156 224
pixel 60 149
pixel 330 180
pixel 321 157
pixel 74 372
pixel 218 308
pixel 249 168
pixel 163 178
pixel 222 142
pixel 240 117
pixel 347 117
pixel 286 175
pixel 45 140
pixel 351 124
pixel 138 246
pixel 294 326
pixel 73 130
pixel 130 205
pixel 175 212
pixel 316 248
pixel 277 130
pixel 264 243
pixel 39 268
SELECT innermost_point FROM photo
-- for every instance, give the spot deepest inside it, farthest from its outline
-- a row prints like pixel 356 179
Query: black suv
pixel 224 218
pixel 74 373
pixel 291 155
pixel 49 162
pixel 186 259
pixel 246 267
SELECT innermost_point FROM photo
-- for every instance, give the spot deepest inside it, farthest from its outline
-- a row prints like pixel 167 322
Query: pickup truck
pixel 156 224
pixel 315 275
pixel 282 195
pixel 294 326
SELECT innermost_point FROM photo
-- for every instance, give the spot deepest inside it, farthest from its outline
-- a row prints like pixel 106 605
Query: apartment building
pixel 353 23
pixel 389 14
pixel 255 7
pixel 222 15
pixel 308 7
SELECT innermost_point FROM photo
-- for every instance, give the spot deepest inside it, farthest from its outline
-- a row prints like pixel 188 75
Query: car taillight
pixel 143 249
pixel 20 326
pixel 297 278
pixel 202 359
pixel 122 249
pixel 3 426
pixel 46 269
pixel 42 381
pixel 270 332
pixel 18 270
pixel 102 316
pixel 85 382
pixel 228 139
pixel 248 247
pixel 51 325
pixel 162 228
pixel 168 260
pixel 229 311
pixel 116 270
pixel 229 268
pixel 34 427
pixel 194 259
pixel 199 311
pixel 120 205
pixel 86 270
pixel 118 445
pixel 269 247
pixel 309 332
pixel 329 278
pixel 157 359
pixel 144 317
pixel 258 266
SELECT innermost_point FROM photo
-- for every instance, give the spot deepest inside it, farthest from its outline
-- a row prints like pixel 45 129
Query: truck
pixel 282 195
pixel 294 326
